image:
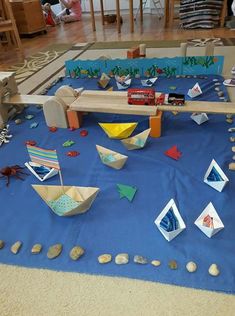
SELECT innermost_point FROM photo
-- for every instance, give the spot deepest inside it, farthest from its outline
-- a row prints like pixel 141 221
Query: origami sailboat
pixel 111 158
pixel 215 177
pixel 118 130
pixel 199 118
pixel 69 200
pixel 138 141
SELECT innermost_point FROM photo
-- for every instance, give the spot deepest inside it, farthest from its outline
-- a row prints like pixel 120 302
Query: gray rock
pixel 122 258
pixel 140 259
pixel 191 266
pixel 18 121
pixel 214 270
pixel 215 80
pixel 217 84
pixel 156 263
pixel 220 93
pixel 36 249
pixel 15 248
pixel 54 251
pixel 105 258
pixel 217 89
pixel 76 252
pixel 2 244
pixel 173 265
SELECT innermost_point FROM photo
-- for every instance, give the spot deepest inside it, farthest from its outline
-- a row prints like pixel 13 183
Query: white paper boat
pixel 123 85
pixel 217 223
pixel 43 176
pixel 148 82
pixel 138 141
pixel 172 234
pixel 111 158
pixel 195 91
pixel 199 118
pixel 215 177
pixel 82 198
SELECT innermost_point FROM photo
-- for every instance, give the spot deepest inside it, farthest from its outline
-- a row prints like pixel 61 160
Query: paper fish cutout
pixel 126 191
pixel 111 158
pixel 118 130
pixel 173 153
pixel 148 82
pixel 199 118
pixel 138 141
pixel 41 172
pixel 68 143
pixel 81 198
pixel 215 177
pixel 195 91
pixel 209 213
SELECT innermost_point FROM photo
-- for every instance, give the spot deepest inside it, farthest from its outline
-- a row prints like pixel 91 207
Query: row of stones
pixel 122 258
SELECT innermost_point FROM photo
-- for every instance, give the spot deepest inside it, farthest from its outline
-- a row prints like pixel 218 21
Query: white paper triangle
pixel 217 185
pixel 199 118
pixel 195 91
pixel 50 174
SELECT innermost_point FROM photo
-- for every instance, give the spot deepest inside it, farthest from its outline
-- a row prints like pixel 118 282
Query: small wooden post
pixel 74 119
pixel 155 123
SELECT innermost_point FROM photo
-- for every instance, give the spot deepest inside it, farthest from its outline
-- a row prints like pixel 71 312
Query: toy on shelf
pixel 199 118
pixel 149 82
pixel 123 82
pixel 133 53
pixel 230 82
pixel 195 91
pixel 209 221
pixel 104 80
pixel 118 130
pixel 142 49
pixel 169 221
pixel 111 158
pixel 11 171
pixel 4 135
pixel 138 141
pixel 140 96
pixel 215 177
pixel 171 99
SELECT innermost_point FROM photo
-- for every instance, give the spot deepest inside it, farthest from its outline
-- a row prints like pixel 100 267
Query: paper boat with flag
pixel 169 221
pixel 41 172
pixel 199 118
pixel 67 200
pixel 209 221
pixel 111 158
pixel 148 82
pixel 118 130
pixel 195 91
pixel 215 177
pixel 138 141
pixel 123 82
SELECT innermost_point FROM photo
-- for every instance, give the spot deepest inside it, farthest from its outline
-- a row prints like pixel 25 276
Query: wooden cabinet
pixel 29 16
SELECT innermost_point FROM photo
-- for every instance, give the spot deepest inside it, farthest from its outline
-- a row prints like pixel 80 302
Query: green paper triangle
pixel 126 191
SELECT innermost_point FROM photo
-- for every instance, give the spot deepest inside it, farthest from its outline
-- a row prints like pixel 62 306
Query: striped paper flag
pixel 45 157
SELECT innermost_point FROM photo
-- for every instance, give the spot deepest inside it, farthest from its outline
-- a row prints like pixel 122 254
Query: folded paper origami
pixel 169 221
pixel 195 91
pixel 111 158
pixel 199 118
pixel 123 82
pixel 138 141
pixel 67 200
pixel 215 177
pixel 118 130
pixel 148 82
pixel 209 221
pixel 103 81
pixel 126 191
pixel 173 153
pixel 42 173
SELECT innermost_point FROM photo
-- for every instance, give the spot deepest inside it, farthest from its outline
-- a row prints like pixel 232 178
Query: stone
pixel 105 258
pixel 76 252
pixel 173 265
pixel 122 258
pixel 15 248
pixel 229 120
pixel 215 80
pixel 231 166
pixel 191 266
pixel 233 149
pixel 232 139
pixel 36 249
pixel 18 121
pixel 217 89
pixel 234 157
pixel 229 116
pixel 156 263
pixel 38 106
pixel 2 244
pixel 231 129
pixel 220 93
pixel 140 259
pixel 54 251
pixel 214 270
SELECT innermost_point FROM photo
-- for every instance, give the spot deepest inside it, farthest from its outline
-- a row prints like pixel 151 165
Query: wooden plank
pixel 26 99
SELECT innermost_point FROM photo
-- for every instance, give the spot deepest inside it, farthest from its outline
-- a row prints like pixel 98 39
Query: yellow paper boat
pixel 118 130
pixel 80 198
pixel 138 141
pixel 111 158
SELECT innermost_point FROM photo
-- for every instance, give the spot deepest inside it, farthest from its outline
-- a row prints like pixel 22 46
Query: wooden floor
pixel 151 29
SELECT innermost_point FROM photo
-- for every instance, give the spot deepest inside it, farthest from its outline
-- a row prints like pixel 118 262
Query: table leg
pixel 223 14
pixel 131 16
pixel 171 13
pixel 166 13
pixel 141 10
pixel 102 11
pixel 118 16
pixel 92 15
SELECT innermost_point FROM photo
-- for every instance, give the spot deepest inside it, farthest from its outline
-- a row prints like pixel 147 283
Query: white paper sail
pixel 123 85
pixel 51 171
pixel 217 185
pixel 195 91
pixel 148 82
pixel 217 223
pixel 111 158
pixel 170 235
pixel 82 196
pixel 138 141
pixel 199 118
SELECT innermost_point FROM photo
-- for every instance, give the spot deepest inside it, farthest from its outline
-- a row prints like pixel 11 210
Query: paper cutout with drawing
pixel 126 191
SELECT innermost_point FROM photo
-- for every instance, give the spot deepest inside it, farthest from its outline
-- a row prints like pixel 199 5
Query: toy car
pixel 141 96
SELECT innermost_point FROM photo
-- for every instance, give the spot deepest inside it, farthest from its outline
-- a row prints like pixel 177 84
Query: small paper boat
pixel 195 91
pixel 216 223
pixel 199 118
pixel 148 82
pixel 123 85
pixel 171 234
pixel 138 141
pixel 215 177
pixel 67 200
pixel 118 130
pixel 111 158
pixel 42 173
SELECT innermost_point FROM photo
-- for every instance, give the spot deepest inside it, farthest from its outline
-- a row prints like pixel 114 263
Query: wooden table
pixel 117 13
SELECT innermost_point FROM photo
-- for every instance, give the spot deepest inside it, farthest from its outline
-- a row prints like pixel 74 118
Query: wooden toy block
pixel 133 53
pixel 54 110
pixel 155 123
pixel 67 94
pixel 74 119
pixel 142 49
